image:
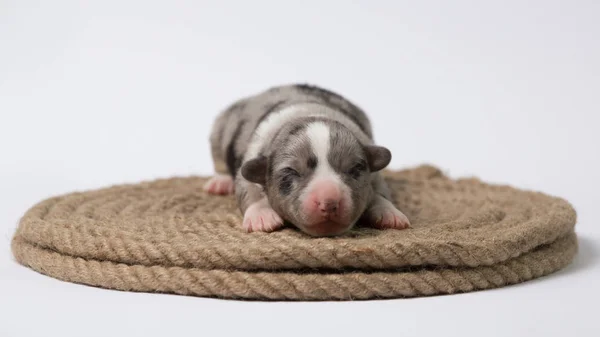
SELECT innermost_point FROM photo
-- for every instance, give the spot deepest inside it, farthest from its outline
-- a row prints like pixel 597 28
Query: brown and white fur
pixel 304 155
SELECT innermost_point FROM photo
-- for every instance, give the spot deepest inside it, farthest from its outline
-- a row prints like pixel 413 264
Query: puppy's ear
pixel 255 170
pixel 378 157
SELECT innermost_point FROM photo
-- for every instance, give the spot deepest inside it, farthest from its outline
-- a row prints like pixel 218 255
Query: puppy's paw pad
pixel 387 217
pixel 261 218
pixel 219 184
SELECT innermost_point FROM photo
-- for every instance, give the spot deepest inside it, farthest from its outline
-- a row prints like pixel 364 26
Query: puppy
pixel 304 155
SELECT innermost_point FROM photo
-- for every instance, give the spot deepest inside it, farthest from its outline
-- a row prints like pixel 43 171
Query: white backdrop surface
pixel 107 92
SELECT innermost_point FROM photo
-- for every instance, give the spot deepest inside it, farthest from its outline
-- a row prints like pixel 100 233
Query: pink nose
pixel 328 206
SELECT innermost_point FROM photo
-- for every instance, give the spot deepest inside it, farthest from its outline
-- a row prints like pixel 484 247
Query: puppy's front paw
pixel 261 217
pixel 220 184
pixel 384 215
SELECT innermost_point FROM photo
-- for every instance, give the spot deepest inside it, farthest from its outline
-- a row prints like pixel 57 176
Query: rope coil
pixel 169 236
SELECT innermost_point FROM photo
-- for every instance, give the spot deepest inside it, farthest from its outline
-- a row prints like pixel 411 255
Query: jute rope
pixel 169 236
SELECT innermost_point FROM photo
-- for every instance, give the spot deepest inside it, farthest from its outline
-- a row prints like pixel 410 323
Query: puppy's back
pixel 234 127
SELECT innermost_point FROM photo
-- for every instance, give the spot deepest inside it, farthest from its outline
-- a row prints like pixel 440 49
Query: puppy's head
pixel 317 175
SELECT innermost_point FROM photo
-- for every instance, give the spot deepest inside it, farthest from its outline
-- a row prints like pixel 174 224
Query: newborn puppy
pixel 304 155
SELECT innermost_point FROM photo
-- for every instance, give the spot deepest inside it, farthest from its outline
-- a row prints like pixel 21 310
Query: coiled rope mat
pixel 169 236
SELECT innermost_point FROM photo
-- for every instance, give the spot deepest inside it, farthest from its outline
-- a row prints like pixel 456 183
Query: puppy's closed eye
pixel 358 169
pixel 288 171
pixel 288 175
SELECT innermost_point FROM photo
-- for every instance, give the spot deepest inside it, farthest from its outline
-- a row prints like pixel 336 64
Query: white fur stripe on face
pixel 320 137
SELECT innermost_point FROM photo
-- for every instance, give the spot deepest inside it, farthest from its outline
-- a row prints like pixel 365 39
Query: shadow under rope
pixel 588 255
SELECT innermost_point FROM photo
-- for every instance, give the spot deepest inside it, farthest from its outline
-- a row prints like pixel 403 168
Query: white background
pixel 107 92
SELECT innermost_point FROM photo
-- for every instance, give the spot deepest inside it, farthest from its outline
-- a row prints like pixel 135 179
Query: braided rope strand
pixel 170 236
pixel 292 286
